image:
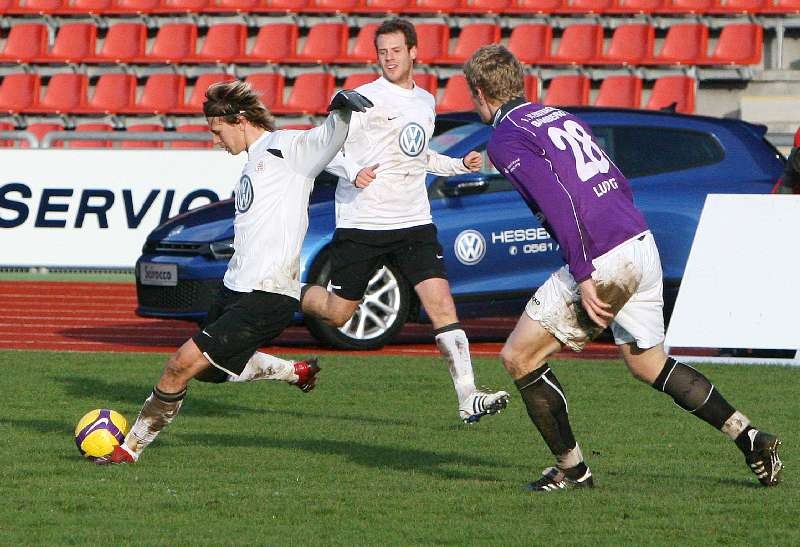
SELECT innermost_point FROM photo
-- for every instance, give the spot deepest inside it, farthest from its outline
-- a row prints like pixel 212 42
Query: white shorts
pixel 628 277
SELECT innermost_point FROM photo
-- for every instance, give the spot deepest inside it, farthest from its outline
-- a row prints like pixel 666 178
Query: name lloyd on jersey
pixel 54 204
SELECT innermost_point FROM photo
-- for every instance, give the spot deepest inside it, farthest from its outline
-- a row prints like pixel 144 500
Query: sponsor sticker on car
pixel 164 275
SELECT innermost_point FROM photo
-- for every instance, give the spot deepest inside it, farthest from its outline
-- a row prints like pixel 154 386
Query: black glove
pixel 347 99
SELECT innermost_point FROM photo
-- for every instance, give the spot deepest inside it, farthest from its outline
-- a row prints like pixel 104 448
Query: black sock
pixel 547 407
pixel 693 392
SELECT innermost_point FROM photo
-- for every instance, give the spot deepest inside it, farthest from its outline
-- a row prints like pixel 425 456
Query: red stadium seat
pixel 81 7
pixel 130 7
pixel 684 44
pixel 223 43
pixel 733 7
pixel 531 42
pixel 471 38
pixel 19 92
pixel 310 94
pixel 364 48
pixel 146 128
pixel 25 42
pixel 358 79
pixel 623 91
pixel 162 94
pixel 433 41
pixel 65 92
pixel 383 6
pixel 685 6
pixel 274 43
pixel 124 42
pixel 457 96
pixel 41 7
pixel 193 128
pixel 7 143
pixel 74 43
pixel 579 44
pixel 4 5
pixel 585 6
pixel 431 6
pixel 283 6
pixel 269 87
pixel 181 6
pixel 40 130
pixel 526 7
pixel 113 93
pixel 223 6
pixel 86 127
pixel 635 6
pixel 325 43
pixel 195 103
pixel 631 44
pixel 781 6
pixel 333 6
pixel 673 93
pixel 532 88
pixel 173 43
pixel 428 82
pixel 483 6
pixel 738 44
pixel 568 90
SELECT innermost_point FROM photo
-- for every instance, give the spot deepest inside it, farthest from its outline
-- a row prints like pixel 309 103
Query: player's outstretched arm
pixel 442 165
pixel 312 150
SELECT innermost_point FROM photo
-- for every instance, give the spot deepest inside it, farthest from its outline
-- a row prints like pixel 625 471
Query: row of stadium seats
pixel 524 7
pixel 39 130
pixel 583 43
pixel 115 93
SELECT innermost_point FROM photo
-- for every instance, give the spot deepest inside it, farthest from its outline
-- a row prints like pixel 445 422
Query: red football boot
pixel 306 374
pixel 118 455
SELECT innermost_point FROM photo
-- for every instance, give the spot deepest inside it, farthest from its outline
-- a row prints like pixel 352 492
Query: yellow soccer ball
pixel 99 431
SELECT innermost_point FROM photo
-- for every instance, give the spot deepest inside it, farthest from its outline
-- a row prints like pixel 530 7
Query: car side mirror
pixel 465 185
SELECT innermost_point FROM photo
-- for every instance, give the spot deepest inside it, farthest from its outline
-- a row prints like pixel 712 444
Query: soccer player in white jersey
pixel 382 210
pixel 261 287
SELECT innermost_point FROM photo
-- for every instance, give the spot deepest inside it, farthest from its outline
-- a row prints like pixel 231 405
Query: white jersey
pixel 272 205
pixel 394 134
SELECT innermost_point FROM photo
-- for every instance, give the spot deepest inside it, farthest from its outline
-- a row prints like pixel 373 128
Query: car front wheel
pixel 381 314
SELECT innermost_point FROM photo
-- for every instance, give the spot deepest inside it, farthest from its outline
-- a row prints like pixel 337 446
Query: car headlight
pixel 222 249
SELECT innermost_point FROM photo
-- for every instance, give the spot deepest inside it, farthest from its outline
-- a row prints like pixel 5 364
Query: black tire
pixel 392 306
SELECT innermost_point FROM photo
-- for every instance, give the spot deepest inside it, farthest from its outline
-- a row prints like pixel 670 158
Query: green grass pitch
pixel 376 456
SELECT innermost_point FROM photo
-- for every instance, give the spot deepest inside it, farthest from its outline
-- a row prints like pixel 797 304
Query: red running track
pixel 71 316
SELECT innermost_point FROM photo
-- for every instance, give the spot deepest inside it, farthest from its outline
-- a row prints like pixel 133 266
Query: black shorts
pixel 239 323
pixel 357 254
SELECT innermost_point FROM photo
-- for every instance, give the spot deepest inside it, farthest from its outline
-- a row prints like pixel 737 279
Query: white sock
pixel 454 347
pixel 266 367
pixel 155 415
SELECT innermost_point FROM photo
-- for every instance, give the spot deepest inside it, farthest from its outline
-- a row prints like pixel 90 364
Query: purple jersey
pixel 551 158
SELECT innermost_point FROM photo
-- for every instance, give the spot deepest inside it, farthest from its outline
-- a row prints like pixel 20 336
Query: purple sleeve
pixel 524 165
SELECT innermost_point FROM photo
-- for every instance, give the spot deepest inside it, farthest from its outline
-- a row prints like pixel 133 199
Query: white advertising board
pixel 739 289
pixel 94 208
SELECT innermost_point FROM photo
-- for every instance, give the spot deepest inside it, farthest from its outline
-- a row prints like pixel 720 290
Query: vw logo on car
pixel 412 139
pixel 470 247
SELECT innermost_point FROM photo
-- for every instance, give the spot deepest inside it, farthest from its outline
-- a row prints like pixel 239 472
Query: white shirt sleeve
pixel 439 164
pixel 343 167
pixel 310 151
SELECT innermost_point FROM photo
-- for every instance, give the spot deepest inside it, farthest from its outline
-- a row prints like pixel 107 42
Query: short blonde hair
pixel 494 70
pixel 235 98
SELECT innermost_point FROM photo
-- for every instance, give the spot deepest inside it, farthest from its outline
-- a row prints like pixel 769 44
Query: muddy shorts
pixel 628 277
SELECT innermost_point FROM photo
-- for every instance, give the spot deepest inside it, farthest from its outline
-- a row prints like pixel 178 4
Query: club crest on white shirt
pixel 244 194
pixel 412 139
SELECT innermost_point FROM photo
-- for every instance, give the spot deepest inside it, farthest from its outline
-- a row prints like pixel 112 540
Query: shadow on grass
pixel 367 455
pixel 110 393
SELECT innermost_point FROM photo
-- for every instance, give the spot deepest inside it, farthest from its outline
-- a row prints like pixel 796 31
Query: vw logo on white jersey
pixel 470 247
pixel 244 194
pixel 412 139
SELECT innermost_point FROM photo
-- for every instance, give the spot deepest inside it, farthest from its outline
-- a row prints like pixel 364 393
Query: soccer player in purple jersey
pixel 612 274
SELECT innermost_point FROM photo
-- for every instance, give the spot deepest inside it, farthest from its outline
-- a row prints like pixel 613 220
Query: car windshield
pixel 444 141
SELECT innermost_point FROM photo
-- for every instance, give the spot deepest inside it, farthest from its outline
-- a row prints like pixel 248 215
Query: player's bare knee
pixel 518 361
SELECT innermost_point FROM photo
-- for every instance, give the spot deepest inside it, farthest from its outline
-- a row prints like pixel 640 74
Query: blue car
pixel 496 251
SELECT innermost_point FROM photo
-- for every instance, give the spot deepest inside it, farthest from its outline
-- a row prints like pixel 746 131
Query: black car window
pixel 495 182
pixel 641 151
